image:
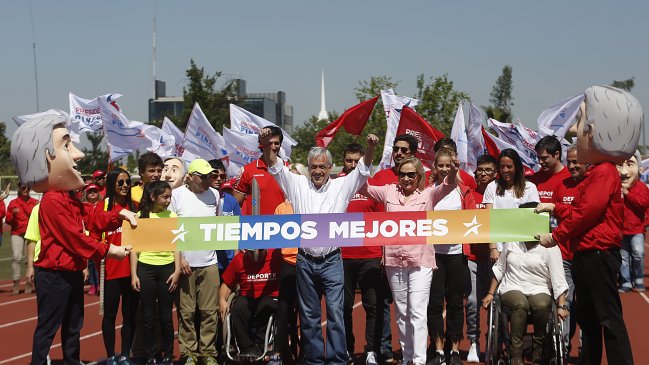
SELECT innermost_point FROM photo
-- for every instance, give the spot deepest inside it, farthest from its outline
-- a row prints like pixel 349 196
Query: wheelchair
pixel 231 352
pixel 499 340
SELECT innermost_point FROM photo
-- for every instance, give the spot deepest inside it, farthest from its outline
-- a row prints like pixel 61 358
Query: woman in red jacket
pixel 18 213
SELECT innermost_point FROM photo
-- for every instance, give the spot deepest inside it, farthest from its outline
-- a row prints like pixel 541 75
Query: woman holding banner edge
pixel 410 267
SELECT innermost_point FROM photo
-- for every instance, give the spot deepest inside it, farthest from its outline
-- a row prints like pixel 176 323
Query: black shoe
pixel 455 359
pixel 436 359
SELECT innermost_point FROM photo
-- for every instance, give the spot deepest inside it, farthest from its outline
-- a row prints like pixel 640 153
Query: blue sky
pixel 556 48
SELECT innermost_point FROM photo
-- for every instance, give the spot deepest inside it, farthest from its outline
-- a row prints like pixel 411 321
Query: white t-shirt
pixel 452 201
pixel 185 203
pixel 509 200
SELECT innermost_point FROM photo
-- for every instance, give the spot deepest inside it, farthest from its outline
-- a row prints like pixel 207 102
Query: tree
pixel 627 84
pixel 202 89
pixel 5 147
pixel 438 101
pixel 501 97
pixel 96 157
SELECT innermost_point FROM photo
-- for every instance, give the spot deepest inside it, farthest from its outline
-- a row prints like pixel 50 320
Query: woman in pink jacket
pixel 410 267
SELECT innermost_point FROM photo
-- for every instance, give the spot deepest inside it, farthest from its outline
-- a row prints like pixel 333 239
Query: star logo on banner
pixel 472 226
pixel 180 234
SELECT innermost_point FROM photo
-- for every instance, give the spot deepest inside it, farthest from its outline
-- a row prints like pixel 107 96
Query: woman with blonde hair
pixel 410 267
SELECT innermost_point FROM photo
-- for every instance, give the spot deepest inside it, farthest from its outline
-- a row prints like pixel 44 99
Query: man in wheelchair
pixel 528 274
pixel 256 273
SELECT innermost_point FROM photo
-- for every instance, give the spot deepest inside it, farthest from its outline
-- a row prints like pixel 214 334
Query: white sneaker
pixel 370 359
pixel 473 353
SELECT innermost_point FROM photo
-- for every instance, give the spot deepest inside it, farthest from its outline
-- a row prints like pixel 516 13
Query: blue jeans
pixel 632 268
pixel 570 323
pixel 315 279
pixel 475 289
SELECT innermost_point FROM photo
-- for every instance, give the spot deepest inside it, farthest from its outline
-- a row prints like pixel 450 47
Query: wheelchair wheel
pixel 492 352
pixel 554 350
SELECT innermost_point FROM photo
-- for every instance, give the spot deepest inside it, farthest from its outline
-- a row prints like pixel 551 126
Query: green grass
pixel 5 257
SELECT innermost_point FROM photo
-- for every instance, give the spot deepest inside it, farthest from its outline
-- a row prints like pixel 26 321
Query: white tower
pixel 323 115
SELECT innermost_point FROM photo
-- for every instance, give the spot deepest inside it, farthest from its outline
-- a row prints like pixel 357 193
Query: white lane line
pixel 644 296
pixel 356 305
pixel 17 301
pixel 36 317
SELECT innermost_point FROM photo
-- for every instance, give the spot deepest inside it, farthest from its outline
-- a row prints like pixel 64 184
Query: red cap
pixel 97 174
pixel 91 186
pixel 528 171
pixel 229 184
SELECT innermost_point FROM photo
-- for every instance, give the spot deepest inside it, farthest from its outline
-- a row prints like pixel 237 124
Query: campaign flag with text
pixel 413 124
pixel 122 135
pixel 86 111
pixel 244 121
pixel 201 139
pixel 164 143
pixel 494 145
pixel 392 105
pixel 353 120
pixel 476 147
pixel 242 148
pixel 518 138
pixel 459 135
pixel 558 118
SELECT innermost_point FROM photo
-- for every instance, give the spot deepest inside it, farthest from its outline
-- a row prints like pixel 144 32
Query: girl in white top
pixel 527 272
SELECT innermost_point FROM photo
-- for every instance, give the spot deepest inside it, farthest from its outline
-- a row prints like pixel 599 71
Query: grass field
pixel 5 257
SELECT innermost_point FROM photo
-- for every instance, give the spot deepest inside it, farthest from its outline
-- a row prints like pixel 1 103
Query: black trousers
pixel 114 290
pixel 366 274
pixel 157 306
pixel 447 284
pixel 249 318
pixel 59 299
pixel 599 309
pixel 286 315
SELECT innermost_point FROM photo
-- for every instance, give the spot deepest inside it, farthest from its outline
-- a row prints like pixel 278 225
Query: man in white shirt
pixel 320 269
pixel 200 280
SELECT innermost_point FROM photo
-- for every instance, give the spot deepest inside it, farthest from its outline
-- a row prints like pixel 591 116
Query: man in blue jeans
pixel 319 269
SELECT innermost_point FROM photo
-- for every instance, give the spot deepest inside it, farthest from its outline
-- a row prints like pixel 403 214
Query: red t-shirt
pixel 477 251
pixel 18 221
pixel 64 245
pixel 359 204
pixel 271 194
pixel 546 183
pixel 636 203
pixel 564 198
pixel 115 269
pixel 595 222
pixel 256 279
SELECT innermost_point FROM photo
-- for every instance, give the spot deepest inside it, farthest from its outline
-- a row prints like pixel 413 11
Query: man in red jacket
pixel 18 213
pixel 636 202
pixel 608 129
pixel 45 159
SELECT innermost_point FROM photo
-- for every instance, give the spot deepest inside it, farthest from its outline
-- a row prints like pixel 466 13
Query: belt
pixel 318 259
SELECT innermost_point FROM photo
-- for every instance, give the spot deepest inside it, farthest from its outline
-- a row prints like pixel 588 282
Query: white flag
pixel 86 111
pixel 392 104
pixel 170 128
pixel 458 134
pixel 243 121
pixel 476 146
pixel 163 143
pixel 559 117
pixel 122 135
pixel 201 139
pixel 242 148
pixel 513 136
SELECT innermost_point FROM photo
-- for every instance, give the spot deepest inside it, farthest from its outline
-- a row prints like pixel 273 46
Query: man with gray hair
pixel 608 129
pixel 320 269
pixel 45 159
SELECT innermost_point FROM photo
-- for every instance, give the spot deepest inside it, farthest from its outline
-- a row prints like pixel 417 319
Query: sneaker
pixel 112 360
pixel 455 359
pixel 93 290
pixel 28 288
pixel 16 288
pixel 639 289
pixel 473 353
pixel 350 359
pixel 190 360
pixel 151 361
pixel 123 360
pixel 370 359
pixel 436 359
pixel 167 360
pixel 274 360
pixel 209 360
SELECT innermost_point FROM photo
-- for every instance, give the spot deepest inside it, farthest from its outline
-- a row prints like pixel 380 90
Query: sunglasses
pixel 410 175
pixel 101 178
pixel 126 182
pixel 219 176
pixel 403 150
pixel 484 171
pixel 203 177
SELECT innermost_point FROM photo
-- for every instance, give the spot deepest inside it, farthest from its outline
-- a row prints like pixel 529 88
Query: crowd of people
pixel 421 281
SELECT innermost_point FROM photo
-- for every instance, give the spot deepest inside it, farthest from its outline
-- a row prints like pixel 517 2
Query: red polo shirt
pixel 564 198
pixel 18 221
pixel 115 269
pixel 64 245
pixel 271 194
pixel 547 182
pixel 256 279
pixel 477 251
pixel 596 219
pixel 636 202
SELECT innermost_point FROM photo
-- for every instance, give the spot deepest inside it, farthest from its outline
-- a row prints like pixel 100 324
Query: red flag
pixel 412 123
pixel 353 120
pixel 490 145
